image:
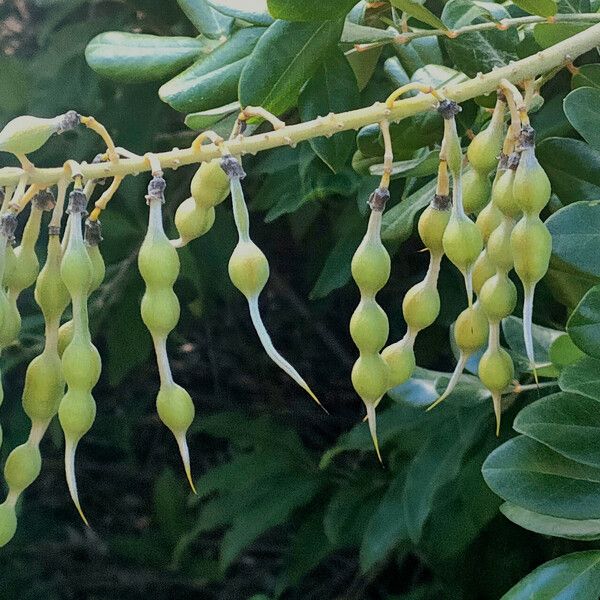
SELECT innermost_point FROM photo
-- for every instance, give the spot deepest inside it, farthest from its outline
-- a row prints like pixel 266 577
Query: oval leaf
pixel 581 108
pixel 206 20
pixel 284 59
pixel 255 12
pixel 584 324
pixel 139 57
pixel 583 378
pixel 418 11
pixel 309 10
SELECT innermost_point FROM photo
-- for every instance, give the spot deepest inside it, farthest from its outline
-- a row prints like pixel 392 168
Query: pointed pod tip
pixel 497 400
pixel 71 479
pixel 314 397
pixel 372 420
pixel 185 458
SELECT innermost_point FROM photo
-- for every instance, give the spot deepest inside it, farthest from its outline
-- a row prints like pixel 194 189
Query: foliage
pixel 292 503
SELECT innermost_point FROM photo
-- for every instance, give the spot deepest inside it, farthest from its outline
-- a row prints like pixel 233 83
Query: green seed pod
pixel 50 291
pixel 248 268
pixel 11 323
pixel 160 311
pixel 22 467
pixel 371 266
pixel 400 358
pixel 502 194
pixel 499 246
pixel 476 190
pixel 65 336
pixel 81 363
pixel 531 244
pixel 93 237
pixel 421 306
pixel 462 244
pixel 369 326
pixel 27 134
pixel 487 220
pixel 175 408
pixel 498 297
pixel 76 413
pixel 8 523
pixel 10 265
pixel 483 269
pixel 451 148
pixel 210 185
pixel 192 221
pixel 433 221
pixel 158 261
pixel 370 377
pixel 44 387
pixel 485 147
pixel 471 329
pixel 496 371
pixel 76 272
pixel 531 187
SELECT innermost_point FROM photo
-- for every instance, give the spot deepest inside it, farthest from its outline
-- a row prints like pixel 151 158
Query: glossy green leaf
pixel 582 377
pixel 570 577
pixel 419 53
pixel 567 423
pixel 424 165
pixel 575 233
pixel 564 352
pixel 584 324
pixel 212 81
pixel 494 48
pixel 203 119
pixel 548 34
pixel 529 474
pixel 586 76
pixel 293 53
pixel 581 108
pixel 333 88
pixel 573 168
pixel 386 528
pixel 572 529
pixel 419 11
pixel 255 12
pixel 361 34
pixel 398 221
pixel 544 8
pixel 207 21
pixel 139 57
pixel 309 10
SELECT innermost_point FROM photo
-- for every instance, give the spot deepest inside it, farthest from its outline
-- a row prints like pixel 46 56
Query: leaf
pixel 575 233
pixel 567 423
pixel 255 12
pixel 309 10
pixel 548 34
pixel 212 81
pixel 139 57
pixel 586 76
pixel 573 168
pixel 571 529
pixel 584 323
pixel 13 86
pixel 398 222
pixel 544 8
pixel 353 33
pixel 564 352
pixel 170 510
pixel 580 108
pixel 423 166
pixel 207 21
pixel 204 119
pixel 272 506
pixel 437 463
pixel 529 474
pixel 571 576
pixel 494 48
pixel 332 89
pixel 582 377
pixel 512 328
pixel 418 11
pixel 386 528
pixel 293 52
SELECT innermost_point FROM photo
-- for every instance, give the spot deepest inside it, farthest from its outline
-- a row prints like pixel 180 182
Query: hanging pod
pixel 485 147
pixel 249 269
pixel 369 327
pixel 81 362
pixel 158 264
pixel 476 190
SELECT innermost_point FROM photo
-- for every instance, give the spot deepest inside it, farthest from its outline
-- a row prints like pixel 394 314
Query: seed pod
pixel 210 185
pixel 451 149
pixel 159 266
pixel 22 467
pixel 27 134
pixel 80 360
pixel 476 190
pixel 531 241
pixel 496 371
pixel 487 220
pixel 8 522
pixel 482 270
pixel 499 247
pixel 192 221
pixel 65 336
pixel 249 269
pixel 93 237
pixel 502 193
pixel 485 147
pixel 498 297
pixel 421 305
pixel 433 221
pixel 369 328
pixel 400 359
pixel 470 334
